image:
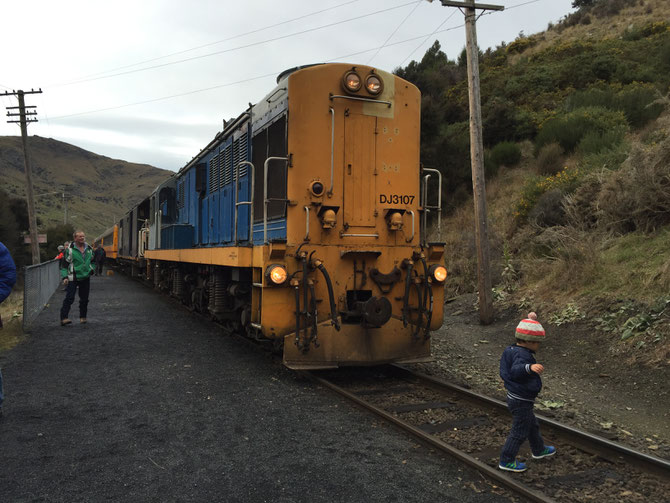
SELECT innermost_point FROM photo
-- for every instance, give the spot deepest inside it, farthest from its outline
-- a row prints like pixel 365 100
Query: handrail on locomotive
pixel 250 202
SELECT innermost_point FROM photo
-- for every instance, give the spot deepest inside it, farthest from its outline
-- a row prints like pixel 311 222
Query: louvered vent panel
pixel 180 195
pixel 212 174
pixel 218 171
pixel 241 150
pixel 227 168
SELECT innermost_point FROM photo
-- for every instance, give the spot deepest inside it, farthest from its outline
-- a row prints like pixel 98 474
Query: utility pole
pixel 477 155
pixel 24 119
pixel 65 198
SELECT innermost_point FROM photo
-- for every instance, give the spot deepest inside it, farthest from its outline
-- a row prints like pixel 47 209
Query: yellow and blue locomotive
pixel 304 222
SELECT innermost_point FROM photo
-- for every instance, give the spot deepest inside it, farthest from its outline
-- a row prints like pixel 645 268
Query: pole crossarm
pixel 472 5
pixel 15 93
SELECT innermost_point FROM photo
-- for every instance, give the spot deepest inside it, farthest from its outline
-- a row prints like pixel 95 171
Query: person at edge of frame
pixel 76 273
pixel 99 258
pixel 7 282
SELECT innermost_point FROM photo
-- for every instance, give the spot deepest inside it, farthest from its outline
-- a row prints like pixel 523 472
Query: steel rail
pixel 585 441
pixel 433 441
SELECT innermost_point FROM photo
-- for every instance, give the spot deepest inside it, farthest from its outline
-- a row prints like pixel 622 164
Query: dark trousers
pixel 524 426
pixel 84 287
pixel 98 268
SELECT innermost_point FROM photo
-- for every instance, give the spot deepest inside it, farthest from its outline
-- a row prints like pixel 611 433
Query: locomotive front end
pixel 355 281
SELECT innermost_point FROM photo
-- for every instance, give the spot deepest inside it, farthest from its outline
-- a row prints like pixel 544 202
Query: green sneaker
pixel 514 466
pixel 546 452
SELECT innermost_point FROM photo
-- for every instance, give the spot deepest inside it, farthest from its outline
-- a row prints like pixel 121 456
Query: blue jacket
pixel 7 272
pixel 521 383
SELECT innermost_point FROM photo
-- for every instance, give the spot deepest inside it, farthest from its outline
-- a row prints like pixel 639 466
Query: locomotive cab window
pixel 270 142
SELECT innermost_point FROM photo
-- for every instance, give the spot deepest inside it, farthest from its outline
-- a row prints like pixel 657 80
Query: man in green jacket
pixel 76 271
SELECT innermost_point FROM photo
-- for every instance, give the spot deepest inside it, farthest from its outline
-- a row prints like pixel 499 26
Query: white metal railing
pixel 41 281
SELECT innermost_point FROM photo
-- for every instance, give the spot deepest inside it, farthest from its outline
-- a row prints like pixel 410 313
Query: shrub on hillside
pixel 521 44
pixel 638 101
pixel 550 159
pixel 634 197
pixel 548 211
pixel 649 29
pixel 608 8
pixel 594 142
pixel 637 197
pixel 568 129
pixel 579 206
pixel 502 121
pixel 565 181
pixel 506 153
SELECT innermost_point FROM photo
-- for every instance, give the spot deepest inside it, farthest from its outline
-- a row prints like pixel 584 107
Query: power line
pixel 236 82
pixel 229 84
pixel 394 31
pixel 253 44
pixel 166 97
pixel 427 37
pixel 488 13
pixel 210 43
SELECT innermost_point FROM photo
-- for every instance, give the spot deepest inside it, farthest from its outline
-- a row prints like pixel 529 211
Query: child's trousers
pixel 524 426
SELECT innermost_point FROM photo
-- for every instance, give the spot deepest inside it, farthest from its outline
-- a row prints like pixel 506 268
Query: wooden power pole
pixel 477 155
pixel 24 119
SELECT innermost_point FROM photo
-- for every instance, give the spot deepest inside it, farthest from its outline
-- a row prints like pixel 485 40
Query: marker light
pixel 316 188
pixel 438 272
pixel 374 84
pixel 276 274
pixel 352 82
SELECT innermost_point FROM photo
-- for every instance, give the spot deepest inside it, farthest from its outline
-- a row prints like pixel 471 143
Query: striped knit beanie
pixel 530 329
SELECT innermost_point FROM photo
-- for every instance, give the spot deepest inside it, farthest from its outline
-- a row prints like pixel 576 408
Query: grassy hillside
pixel 99 189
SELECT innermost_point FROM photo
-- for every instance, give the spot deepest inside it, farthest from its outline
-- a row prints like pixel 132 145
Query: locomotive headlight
pixel 374 84
pixel 352 82
pixel 438 272
pixel 276 274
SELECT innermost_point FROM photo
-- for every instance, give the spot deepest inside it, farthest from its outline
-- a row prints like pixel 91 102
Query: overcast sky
pixel 151 81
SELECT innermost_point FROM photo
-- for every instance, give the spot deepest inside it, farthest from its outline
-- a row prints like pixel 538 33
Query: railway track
pixel 473 428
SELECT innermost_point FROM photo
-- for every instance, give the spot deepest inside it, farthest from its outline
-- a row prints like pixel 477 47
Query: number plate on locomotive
pixel 396 199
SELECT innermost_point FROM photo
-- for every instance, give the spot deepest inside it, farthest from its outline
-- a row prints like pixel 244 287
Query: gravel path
pixel 149 403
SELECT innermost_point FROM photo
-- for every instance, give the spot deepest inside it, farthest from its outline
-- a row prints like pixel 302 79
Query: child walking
pixel 521 374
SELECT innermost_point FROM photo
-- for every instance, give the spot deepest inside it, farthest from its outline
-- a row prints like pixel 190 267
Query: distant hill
pixel 99 189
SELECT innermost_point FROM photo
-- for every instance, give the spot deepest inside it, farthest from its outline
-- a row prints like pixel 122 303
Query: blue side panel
pixel 176 236
pixel 227 214
pixel 192 201
pixel 276 230
pixel 213 219
pixel 204 219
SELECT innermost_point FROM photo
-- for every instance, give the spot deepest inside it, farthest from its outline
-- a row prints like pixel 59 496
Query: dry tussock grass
pixel 12 331
pixel 636 198
pixel 459 228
